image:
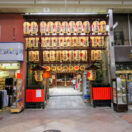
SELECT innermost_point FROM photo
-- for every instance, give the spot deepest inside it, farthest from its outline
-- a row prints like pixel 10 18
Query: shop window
pixel 121 32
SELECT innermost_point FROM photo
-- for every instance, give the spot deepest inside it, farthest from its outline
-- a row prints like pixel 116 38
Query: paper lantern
pixel 46 56
pixel 79 26
pixel 65 68
pixel 52 55
pixel 83 55
pixel 72 55
pixel 35 42
pixel 38 75
pixel 61 42
pixel 53 68
pixel 54 42
pixel 65 55
pixel 31 42
pixel 81 41
pixel 65 42
pixel 86 27
pixel 86 43
pixel 68 41
pixel 77 57
pixel 47 42
pixel 94 41
pixel 72 27
pixel 46 74
pixel 65 27
pixel 26 28
pixel 34 56
pixel 58 56
pixel 98 55
pixel 34 28
pixel 43 43
pixel 101 43
pixel 57 27
pixel 43 27
pixel 102 26
pixel 74 42
pixel 59 68
pixel 97 39
pixel 95 27
pixel 36 53
pixel 47 68
pixel 38 70
pixel 71 68
pixel 58 42
pixel 50 27
pixel 76 68
pixel 82 68
pixel 91 75
pixel 92 55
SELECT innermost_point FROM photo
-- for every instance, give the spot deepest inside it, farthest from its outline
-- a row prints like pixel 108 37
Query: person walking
pixel 74 83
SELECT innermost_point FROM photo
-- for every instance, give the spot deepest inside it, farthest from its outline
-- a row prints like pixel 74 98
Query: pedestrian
pixel 74 83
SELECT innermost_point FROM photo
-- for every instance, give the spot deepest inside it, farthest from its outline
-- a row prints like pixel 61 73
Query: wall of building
pixel 11 30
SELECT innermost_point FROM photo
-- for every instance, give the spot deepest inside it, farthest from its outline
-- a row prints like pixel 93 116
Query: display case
pixel 120 98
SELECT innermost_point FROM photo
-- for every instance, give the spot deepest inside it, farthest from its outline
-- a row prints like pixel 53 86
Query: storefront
pixel 11 56
pixel 65 45
pixel 123 96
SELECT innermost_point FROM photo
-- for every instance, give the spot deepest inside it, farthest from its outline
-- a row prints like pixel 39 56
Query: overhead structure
pixel 74 6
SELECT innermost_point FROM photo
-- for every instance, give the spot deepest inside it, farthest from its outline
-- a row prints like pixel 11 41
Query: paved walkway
pixel 67 114
pixel 65 98
pixel 66 102
pixel 64 91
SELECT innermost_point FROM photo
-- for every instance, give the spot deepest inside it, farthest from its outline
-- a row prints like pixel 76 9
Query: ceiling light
pixel 57 2
pixel 92 13
pixel 16 2
pixel 101 2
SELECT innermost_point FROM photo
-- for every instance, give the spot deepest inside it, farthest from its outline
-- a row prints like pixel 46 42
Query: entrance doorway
pixel 64 79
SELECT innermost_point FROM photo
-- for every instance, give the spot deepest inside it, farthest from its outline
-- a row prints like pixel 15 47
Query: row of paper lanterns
pixel 64 27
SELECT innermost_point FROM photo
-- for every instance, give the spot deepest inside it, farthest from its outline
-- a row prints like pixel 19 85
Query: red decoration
pixel 89 74
pixel 76 67
pixel 19 76
pixel 81 54
pixel 47 68
pixel 31 95
pixel 102 93
pixel 46 74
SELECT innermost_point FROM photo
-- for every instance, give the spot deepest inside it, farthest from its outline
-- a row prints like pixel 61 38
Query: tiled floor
pixel 68 114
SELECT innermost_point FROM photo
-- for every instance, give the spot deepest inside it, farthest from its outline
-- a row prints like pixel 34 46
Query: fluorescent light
pixel 57 2
pixel 101 2
pixel 16 2
pixel 92 13
pixel 127 2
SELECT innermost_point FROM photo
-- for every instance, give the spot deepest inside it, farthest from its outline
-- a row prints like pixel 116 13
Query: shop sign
pixel 11 51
